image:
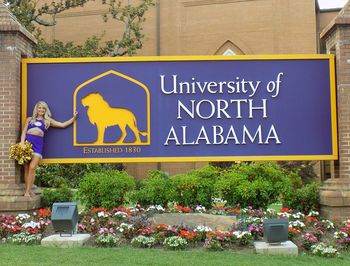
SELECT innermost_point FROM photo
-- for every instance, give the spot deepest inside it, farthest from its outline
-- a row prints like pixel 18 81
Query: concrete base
pixel 12 199
pixel 287 248
pixel 76 240
pixel 335 199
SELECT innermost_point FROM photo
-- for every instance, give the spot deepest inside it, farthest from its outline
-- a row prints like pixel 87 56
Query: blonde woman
pixel 34 130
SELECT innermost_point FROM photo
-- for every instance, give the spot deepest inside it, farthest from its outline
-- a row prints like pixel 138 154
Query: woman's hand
pixel 75 114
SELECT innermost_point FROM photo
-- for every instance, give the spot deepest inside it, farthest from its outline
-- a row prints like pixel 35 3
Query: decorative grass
pixel 37 255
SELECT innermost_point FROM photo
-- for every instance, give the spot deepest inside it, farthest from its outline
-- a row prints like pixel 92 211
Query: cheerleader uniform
pixel 37 141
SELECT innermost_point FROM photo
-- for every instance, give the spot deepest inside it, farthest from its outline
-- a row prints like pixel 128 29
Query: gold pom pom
pixel 21 155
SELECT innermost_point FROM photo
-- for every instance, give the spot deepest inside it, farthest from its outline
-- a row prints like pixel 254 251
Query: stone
pixel 76 240
pixel 215 222
pixel 287 248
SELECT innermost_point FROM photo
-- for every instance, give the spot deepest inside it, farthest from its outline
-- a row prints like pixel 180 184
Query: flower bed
pixel 131 226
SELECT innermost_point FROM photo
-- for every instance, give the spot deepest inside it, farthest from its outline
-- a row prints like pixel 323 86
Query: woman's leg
pixel 26 172
pixel 31 174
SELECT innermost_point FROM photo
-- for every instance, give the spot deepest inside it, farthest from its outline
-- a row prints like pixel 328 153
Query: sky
pixel 324 4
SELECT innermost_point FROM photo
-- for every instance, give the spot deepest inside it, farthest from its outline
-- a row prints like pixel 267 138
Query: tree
pixel 92 47
pixel 129 16
pixel 31 12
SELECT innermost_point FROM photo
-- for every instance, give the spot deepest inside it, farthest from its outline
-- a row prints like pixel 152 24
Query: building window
pixel 229 52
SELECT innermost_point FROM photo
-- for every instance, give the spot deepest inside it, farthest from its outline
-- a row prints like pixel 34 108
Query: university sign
pixel 208 108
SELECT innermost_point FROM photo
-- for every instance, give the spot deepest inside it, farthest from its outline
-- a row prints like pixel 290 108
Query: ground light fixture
pixel 276 231
pixel 64 218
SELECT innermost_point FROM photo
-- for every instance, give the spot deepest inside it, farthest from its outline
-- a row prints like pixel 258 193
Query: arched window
pixel 229 48
pixel 229 52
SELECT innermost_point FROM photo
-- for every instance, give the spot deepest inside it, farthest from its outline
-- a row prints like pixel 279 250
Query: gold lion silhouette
pixel 101 114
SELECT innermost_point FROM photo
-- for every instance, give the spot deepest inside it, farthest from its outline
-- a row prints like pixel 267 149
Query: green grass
pixel 37 255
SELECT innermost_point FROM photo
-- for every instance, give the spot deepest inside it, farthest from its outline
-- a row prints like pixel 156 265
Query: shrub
pixel 143 241
pixel 107 240
pixel 49 176
pixel 56 175
pixel 213 245
pixel 105 189
pixel 195 187
pixel 62 194
pixel 304 169
pixel 257 184
pixel 154 190
pixel 324 250
pixel 303 199
pixel 175 243
pixel 24 238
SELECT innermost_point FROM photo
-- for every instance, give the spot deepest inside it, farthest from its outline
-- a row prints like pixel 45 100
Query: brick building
pixel 208 27
pixel 190 27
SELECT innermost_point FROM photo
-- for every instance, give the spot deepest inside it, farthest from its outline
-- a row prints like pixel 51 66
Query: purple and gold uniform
pixel 37 141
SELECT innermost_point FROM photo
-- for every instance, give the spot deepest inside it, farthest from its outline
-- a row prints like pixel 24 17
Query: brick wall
pixel 15 43
pixel 335 193
pixel 12 47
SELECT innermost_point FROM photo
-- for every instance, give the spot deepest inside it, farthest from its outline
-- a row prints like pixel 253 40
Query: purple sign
pixel 211 108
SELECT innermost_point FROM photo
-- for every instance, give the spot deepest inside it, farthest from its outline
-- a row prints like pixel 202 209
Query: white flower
pixel 270 211
pixel 240 234
pixel 174 242
pixel 124 226
pixel 22 216
pixel 200 208
pixel 244 210
pixel 284 214
pixel 340 235
pixel 107 240
pixel 298 215
pixel 322 249
pixel 202 228
pixel 346 222
pixel 328 223
pixel 31 224
pixel 143 241
pixel 25 238
pixel 121 214
pixel 314 213
pixel 219 200
pixel 296 224
pixel 155 208
pixel 102 214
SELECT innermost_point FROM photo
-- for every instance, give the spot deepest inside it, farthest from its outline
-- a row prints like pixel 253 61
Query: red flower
pixel 183 209
pixel 16 228
pixel 179 208
pixel 235 210
pixel 161 226
pixel 187 234
pixel 146 231
pixel 32 231
pixel 42 213
pixel 186 209
pixel 286 210
pixel 293 230
pixel 311 219
pixel 99 209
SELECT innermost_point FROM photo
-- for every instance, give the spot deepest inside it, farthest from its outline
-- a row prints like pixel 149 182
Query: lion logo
pixel 102 115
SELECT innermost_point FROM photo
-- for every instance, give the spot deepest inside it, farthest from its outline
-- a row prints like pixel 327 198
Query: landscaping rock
pixel 76 240
pixel 287 248
pixel 215 222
